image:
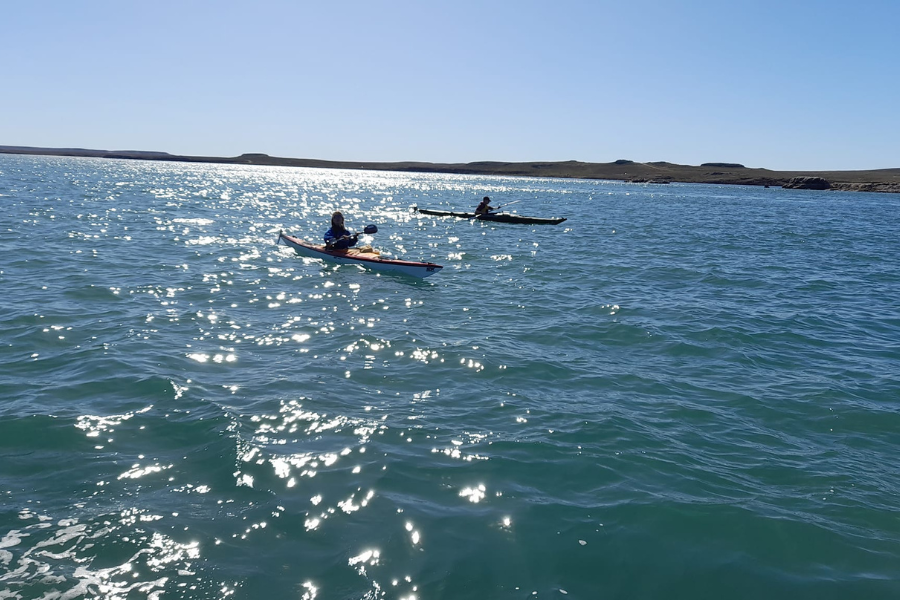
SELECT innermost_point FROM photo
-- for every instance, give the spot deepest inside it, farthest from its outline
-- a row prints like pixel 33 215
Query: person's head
pixel 337 219
pixel 485 199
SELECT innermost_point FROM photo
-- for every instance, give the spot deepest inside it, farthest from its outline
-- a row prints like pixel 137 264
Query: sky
pixel 777 84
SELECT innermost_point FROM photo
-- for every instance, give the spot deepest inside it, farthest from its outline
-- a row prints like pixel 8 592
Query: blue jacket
pixel 333 234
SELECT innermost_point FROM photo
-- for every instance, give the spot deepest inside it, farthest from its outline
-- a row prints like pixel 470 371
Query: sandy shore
pixel 881 180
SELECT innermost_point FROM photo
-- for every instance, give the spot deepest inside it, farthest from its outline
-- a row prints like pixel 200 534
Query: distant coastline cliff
pixel 881 180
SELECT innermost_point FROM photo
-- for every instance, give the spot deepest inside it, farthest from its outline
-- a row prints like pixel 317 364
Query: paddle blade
pixel 370 229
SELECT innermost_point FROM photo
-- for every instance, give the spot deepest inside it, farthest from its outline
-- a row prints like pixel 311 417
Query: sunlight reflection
pixel 368 557
pixel 414 535
pixel 59 551
pixel 95 424
pixel 474 494
pixel 455 452
pixel 137 472
pixel 311 590
pixel 472 364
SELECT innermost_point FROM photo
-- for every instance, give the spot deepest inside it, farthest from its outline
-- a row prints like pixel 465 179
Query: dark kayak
pixel 496 217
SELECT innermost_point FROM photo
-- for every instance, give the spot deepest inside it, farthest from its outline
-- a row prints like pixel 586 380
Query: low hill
pixel 882 180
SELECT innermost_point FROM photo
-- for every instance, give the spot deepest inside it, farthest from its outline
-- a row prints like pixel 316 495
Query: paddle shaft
pixel 479 215
pixel 507 204
pixel 368 230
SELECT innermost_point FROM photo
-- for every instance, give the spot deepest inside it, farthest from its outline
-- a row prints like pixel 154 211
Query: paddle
pixel 494 209
pixel 368 230
pixel 507 204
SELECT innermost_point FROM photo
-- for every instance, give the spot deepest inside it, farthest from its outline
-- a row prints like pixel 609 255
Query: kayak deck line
pixel 372 260
pixel 493 217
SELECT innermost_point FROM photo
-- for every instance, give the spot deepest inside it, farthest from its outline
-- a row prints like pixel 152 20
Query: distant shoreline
pixel 880 180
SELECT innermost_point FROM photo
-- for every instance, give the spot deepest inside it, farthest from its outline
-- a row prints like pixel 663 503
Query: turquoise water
pixel 681 392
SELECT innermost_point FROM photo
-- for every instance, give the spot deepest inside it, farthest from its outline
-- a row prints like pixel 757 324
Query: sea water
pixel 681 392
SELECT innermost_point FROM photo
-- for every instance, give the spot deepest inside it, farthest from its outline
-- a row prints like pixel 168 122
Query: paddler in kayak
pixel 484 207
pixel 338 237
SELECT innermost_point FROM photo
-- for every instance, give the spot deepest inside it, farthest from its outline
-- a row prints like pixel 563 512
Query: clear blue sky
pixel 780 84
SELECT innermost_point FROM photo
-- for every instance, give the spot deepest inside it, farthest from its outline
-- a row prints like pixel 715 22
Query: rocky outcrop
pixel 724 165
pixel 885 188
pixel 808 183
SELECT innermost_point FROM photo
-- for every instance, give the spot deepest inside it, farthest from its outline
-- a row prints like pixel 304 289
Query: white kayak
pixel 358 256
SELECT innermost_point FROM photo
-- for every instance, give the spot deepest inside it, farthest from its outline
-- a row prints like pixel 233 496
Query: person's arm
pixel 345 240
pixel 349 238
pixel 332 240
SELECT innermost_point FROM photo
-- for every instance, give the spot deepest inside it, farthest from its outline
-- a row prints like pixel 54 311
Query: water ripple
pixel 700 379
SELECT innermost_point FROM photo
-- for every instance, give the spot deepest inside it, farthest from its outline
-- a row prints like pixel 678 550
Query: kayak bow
pixel 356 256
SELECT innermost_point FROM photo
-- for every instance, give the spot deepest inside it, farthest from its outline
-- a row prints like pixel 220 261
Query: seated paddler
pixel 484 207
pixel 338 237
